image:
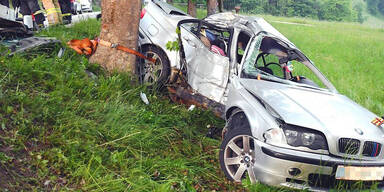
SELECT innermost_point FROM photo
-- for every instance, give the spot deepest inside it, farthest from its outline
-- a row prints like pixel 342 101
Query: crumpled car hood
pixel 333 114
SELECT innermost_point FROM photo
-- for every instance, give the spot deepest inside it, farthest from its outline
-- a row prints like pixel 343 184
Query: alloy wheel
pixel 152 71
pixel 239 158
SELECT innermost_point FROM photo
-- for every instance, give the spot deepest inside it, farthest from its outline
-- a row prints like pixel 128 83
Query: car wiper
pixel 308 86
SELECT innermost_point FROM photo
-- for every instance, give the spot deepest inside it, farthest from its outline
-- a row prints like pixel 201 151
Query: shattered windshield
pixel 270 60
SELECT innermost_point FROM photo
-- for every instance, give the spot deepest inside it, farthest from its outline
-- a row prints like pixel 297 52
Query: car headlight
pixel 274 136
pixel 296 136
pixel 299 137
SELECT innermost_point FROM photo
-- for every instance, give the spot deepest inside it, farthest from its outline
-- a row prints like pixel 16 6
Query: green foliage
pixel 174 45
pixel 375 7
pixel 372 6
pixel 359 11
pixel 323 10
pixel 335 10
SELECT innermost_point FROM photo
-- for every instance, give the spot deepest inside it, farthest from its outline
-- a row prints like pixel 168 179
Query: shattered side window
pixel 267 60
pixel 249 66
pixel 192 27
pixel 302 73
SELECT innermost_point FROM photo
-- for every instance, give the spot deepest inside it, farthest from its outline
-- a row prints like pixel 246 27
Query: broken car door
pixel 205 49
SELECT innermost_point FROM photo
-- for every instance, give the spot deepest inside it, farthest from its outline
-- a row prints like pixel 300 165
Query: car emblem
pixel 378 121
pixel 359 131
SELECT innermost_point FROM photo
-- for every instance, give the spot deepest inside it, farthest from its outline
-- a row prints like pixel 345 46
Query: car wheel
pixel 237 152
pixel 154 74
pixel 237 120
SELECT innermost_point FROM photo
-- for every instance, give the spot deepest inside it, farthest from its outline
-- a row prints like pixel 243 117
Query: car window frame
pixel 305 61
pixel 200 22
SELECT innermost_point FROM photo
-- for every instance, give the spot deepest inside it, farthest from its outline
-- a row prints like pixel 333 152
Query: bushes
pixel 336 10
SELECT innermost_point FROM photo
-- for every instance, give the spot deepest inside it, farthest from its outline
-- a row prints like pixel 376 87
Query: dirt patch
pixel 14 167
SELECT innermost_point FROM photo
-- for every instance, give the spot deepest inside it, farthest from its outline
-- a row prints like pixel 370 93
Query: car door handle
pixel 190 42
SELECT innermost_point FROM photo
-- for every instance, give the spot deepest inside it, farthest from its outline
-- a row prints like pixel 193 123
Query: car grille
pixel 371 149
pixel 349 146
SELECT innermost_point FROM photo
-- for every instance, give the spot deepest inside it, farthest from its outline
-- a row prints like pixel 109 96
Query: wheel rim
pixel 152 71
pixel 239 158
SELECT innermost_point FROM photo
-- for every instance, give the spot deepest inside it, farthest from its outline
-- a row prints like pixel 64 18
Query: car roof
pixel 249 23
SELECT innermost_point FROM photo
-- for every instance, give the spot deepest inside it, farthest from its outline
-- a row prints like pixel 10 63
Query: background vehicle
pixel 80 6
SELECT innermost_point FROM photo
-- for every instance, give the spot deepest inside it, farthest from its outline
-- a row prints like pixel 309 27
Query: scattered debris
pixel 180 94
pixel 213 131
pixel 191 108
pixel 144 98
pixel 61 52
pixel 47 182
pixel 90 74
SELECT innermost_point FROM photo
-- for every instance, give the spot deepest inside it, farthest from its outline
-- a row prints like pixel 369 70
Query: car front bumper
pixel 317 171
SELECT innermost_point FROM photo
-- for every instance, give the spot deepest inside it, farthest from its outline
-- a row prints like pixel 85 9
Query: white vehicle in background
pixel 80 6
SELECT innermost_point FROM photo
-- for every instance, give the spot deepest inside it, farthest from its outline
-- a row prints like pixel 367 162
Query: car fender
pixel 259 119
pixel 144 40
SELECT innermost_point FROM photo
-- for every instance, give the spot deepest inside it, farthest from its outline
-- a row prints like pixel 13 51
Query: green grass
pixel 62 130
pixel 200 13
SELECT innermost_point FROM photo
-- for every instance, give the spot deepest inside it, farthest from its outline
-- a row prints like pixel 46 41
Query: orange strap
pixel 88 47
pixel 84 46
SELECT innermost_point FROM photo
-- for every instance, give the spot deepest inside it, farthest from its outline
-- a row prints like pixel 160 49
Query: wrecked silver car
pixel 287 125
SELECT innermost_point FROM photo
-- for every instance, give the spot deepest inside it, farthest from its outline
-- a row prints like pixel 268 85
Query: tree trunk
pixel 192 8
pixel 221 6
pixel 211 7
pixel 170 1
pixel 120 24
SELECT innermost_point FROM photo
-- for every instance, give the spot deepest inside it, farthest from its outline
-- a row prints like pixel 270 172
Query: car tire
pixel 237 152
pixel 154 74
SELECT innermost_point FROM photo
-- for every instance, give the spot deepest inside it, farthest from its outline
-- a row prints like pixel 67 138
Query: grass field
pixel 62 130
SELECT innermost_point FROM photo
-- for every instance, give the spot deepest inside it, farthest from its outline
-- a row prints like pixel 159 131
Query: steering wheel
pixel 279 67
pixel 272 63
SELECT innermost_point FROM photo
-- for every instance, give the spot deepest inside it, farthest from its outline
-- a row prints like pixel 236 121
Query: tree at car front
pixel 120 25
pixel 287 125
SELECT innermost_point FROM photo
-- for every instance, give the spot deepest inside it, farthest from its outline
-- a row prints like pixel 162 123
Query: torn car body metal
pixel 287 125
pixel 16 38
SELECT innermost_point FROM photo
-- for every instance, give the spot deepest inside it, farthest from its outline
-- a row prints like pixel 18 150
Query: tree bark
pixel 211 7
pixel 120 24
pixel 221 6
pixel 192 8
